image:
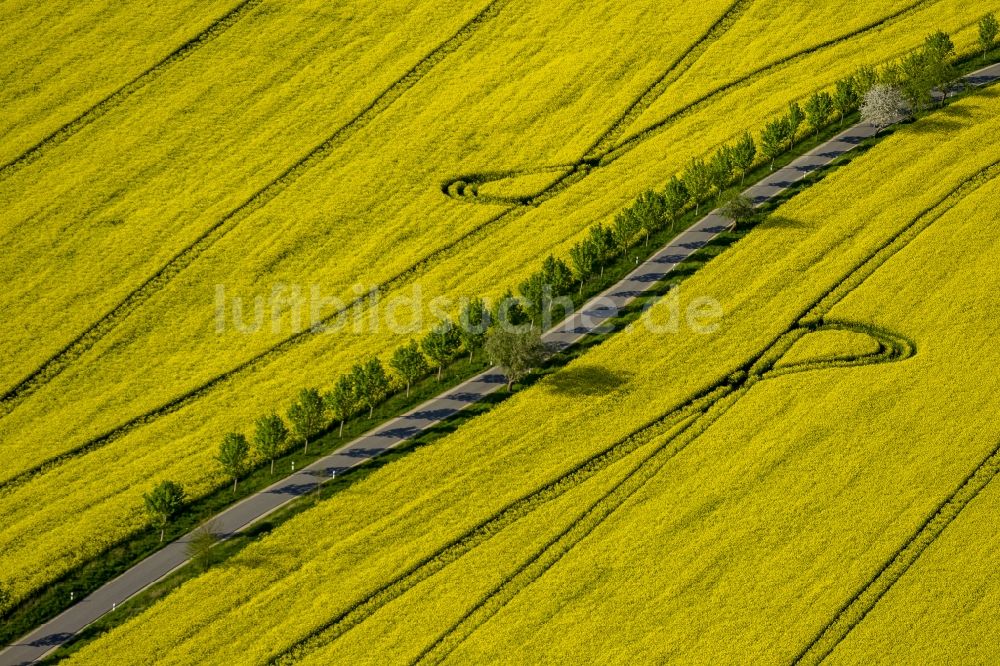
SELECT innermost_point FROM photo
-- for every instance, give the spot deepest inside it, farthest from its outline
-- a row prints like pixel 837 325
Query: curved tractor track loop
pixel 671 432
pixel 612 144
pixel 115 99
pixel 892 348
pixel 185 257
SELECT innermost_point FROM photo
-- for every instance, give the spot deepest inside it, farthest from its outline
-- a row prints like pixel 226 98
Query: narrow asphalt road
pixel 63 627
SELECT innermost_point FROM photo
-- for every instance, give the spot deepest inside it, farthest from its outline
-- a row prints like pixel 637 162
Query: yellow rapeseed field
pixel 944 609
pixel 609 505
pixel 308 144
pixel 61 58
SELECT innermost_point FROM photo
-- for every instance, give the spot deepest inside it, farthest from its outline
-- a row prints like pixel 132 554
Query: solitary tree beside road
pixel 818 109
pixel 533 291
pixel 557 274
pixel 163 503
pixel 772 139
pixel 441 344
pixel 409 363
pixel 845 98
pixel 234 453
pixel 341 401
pixel 307 415
pixel 738 208
pixel 916 83
pixel 584 259
pixel 939 70
pixel 269 437
pixel 625 227
pixel 720 169
pixel 600 238
pixel 517 353
pixel 794 120
pixel 472 325
pixel 697 181
pixel 651 211
pixel 988 33
pixel 371 384
pixel 675 197
pixel 742 155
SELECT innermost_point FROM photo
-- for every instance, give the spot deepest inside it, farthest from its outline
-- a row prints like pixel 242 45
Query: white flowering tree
pixel 883 106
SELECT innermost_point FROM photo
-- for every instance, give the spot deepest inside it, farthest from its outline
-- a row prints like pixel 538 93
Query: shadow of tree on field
pixel 587 380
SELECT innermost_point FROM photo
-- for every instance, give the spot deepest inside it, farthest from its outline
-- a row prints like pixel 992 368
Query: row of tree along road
pixel 509 331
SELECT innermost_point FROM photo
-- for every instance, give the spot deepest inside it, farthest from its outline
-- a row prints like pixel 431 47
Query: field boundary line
pixel 375 599
pixel 591 518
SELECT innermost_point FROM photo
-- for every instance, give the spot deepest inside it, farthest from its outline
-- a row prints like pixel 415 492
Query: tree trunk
pixel 234 484
pixel 341 428
pixel 272 466
pixel 407 389
pixel 510 384
pixel 371 411
pixel 471 354
pixel 440 369
pixel 305 441
pixel 162 532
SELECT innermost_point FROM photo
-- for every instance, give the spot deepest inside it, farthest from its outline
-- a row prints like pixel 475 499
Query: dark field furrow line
pixel 466 187
pixel 607 140
pixel 593 517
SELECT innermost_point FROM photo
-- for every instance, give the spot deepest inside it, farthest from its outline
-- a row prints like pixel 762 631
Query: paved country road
pixel 63 627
